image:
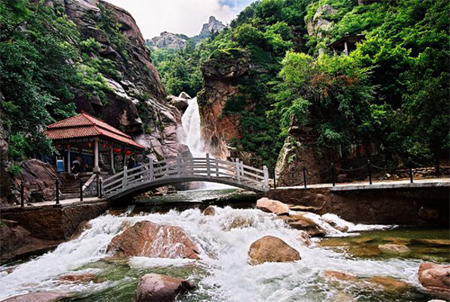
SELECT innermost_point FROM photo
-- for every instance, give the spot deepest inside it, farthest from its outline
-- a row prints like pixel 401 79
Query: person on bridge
pixel 131 162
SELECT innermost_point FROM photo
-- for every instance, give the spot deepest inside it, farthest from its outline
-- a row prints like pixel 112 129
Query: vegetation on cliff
pixel 391 90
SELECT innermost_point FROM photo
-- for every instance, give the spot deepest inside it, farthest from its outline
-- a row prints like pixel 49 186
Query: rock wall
pixel 34 229
pixel 419 206
pixel 221 74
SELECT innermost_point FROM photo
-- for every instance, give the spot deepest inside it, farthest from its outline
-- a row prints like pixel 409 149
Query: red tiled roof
pixel 84 125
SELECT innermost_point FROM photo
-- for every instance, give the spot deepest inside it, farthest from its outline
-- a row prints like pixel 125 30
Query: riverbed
pixel 223 273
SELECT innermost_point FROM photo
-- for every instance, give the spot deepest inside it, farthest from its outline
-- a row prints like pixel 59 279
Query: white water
pixel 191 126
pixel 193 138
pixel 223 240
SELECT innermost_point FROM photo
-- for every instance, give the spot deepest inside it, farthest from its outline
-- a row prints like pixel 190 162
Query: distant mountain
pixel 167 40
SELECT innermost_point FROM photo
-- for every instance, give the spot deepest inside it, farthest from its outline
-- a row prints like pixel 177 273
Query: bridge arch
pixel 141 179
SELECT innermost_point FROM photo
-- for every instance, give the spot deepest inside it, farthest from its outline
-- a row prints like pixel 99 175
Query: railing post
pixel 125 177
pixel 238 171
pixel 304 175
pixel 81 190
pixel 57 190
pixel 274 178
pixel 208 168
pixel 369 166
pixel 167 168
pixel 266 178
pixel 151 170
pixel 100 195
pixel 242 169
pixel 217 168
pixel 437 167
pixel 178 165
pixel 410 170
pixel 333 174
pixel 22 194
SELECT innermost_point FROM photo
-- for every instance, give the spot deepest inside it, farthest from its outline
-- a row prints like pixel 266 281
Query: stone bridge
pixel 131 182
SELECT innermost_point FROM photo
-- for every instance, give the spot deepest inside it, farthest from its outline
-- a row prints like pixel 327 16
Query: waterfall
pixel 193 138
pixel 191 126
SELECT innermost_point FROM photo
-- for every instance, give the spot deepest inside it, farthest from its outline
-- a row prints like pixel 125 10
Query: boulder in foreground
pixel 272 206
pixel 435 278
pixel 154 287
pixel 149 239
pixel 271 249
pixel 38 297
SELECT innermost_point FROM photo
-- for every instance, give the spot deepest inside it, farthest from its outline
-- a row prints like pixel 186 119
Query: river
pixel 223 273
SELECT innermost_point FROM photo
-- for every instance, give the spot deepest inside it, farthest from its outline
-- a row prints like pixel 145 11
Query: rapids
pixel 222 274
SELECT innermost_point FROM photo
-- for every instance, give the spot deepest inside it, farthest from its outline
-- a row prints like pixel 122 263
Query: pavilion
pixel 346 44
pixel 84 134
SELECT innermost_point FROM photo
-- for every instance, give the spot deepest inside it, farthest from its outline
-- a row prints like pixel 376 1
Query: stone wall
pixel 412 206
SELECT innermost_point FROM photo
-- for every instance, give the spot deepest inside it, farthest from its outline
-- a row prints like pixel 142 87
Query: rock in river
pixel 149 239
pixel 435 278
pixel 271 249
pixel 38 297
pixel 400 249
pixel 272 206
pixel 154 287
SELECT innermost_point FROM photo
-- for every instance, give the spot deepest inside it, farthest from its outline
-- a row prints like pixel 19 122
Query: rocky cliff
pixel 136 101
pixel 221 73
pixel 168 40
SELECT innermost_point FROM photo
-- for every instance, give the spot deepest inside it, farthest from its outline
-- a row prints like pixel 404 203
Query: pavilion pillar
pixel 111 153
pixel 346 48
pixel 96 151
pixel 69 164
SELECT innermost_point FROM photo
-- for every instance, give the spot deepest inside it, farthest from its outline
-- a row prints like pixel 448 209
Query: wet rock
pixel 434 242
pixel 271 249
pixel 339 276
pixel 184 95
pixel 428 214
pixel 340 228
pixel 154 287
pixel 398 240
pixel 435 278
pixel 304 238
pixel 362 240
pixel 272 206
pixel 180 103
pixel 79 278
pixel 300 222
pixel 209 211
pixel 364 250
pixel 38 297
pixel 333 242
pixel 389 284
pixel 148 239
pixel 391 248
pixel 84 225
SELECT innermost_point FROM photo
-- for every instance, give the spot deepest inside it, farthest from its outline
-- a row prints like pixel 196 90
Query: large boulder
pixel 388 284
pixel 159 288
pixel 38 297
pixel 271 249
pixel 149 239
pixel 272 206
pixel 435 278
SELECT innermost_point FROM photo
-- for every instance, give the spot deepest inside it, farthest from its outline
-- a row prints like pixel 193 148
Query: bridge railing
pixel 207 168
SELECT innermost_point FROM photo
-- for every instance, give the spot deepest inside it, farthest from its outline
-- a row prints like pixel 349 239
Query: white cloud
pixel 179 16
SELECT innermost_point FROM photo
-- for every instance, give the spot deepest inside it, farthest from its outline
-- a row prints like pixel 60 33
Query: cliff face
pixel 136 101
pixel 222 74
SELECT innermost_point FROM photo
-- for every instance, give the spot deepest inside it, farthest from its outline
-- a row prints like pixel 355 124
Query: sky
pixel 179 16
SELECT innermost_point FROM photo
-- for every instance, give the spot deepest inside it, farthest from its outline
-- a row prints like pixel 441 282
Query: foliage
pixel 15 170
